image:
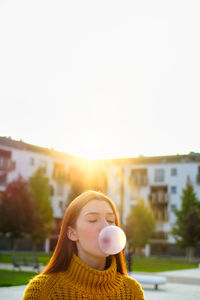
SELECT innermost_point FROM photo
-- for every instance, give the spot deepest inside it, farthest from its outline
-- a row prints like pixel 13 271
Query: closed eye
pixel 111 221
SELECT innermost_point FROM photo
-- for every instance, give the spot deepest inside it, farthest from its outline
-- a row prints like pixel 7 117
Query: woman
pixel 78 268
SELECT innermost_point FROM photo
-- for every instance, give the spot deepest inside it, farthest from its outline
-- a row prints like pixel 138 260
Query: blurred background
pixel 104 96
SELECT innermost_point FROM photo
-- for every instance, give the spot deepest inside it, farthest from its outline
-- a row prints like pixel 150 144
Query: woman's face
pixel 94 216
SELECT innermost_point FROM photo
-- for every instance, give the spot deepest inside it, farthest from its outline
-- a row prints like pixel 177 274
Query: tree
pixel 18 214
pixel 187 228
pixel 40 191
pixel 140 225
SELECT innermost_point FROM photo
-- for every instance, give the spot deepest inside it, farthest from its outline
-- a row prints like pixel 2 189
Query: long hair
pixel 65 248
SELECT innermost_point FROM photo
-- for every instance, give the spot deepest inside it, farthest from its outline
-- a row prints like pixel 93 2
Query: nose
pixel 104 224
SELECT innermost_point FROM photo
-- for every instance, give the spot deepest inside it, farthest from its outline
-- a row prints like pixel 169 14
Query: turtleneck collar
pixel 91 279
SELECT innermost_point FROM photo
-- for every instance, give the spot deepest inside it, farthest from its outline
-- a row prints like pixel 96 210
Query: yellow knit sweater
pixel 83 282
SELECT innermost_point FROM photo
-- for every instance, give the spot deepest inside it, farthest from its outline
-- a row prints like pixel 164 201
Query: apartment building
pixel 19 158
pixel 159 181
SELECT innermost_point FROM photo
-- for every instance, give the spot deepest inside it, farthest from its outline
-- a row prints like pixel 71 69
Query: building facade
pixel 19 158
pixel 157 180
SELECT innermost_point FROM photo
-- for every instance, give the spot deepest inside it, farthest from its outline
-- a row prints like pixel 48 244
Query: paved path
pixel 173 291
pixel 12 293
pixel 189 276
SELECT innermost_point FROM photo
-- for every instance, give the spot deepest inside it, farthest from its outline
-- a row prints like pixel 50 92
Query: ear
pixel 71 233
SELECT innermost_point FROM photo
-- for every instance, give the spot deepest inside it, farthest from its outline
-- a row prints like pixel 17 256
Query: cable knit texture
pixel 83 282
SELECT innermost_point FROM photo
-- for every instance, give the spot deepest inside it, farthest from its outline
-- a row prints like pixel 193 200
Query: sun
pixel 93 149
pixel 89 147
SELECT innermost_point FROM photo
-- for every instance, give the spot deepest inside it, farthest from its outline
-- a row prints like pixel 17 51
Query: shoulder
pixel 38 286
pixel 134 286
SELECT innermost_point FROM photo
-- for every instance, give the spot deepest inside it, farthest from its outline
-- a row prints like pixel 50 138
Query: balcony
pixel 160 237
pixel 158 198
pixel 161 215
pixel 7 165
pixel 3 179
pixel 59 173
pixel 138 177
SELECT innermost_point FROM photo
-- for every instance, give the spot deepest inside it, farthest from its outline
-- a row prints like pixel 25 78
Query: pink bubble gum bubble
pixel 112 239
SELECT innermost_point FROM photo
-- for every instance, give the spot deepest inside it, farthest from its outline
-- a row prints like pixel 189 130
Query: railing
pixel 161 215
pixel 160 235
pixel 59 173
pixel 159 198
pixel 3 179
pixel 139 180
pixel 7 164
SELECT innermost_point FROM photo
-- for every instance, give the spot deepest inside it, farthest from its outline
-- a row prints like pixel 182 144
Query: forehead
pixel 98 206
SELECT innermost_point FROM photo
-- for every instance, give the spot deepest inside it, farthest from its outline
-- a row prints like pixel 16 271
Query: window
pixel 159 175
pixel 61 205
pixel 173 207
pixel 59 173
pixel 173 190
pixel 43 166
pixel 138 177
pixel 31 161
pixel 3 178
pixel 198 175
pixel 173 172
pixel 60 189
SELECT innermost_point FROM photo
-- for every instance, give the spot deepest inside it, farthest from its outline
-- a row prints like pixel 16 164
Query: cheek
pixel 89 232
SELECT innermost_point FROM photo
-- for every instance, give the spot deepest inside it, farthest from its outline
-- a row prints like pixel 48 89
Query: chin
pixel 103 255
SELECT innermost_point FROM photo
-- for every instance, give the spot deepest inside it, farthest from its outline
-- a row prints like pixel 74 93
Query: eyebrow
pixel 96 213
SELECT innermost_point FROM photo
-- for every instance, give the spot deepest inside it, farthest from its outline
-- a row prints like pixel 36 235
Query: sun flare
pixel 93 149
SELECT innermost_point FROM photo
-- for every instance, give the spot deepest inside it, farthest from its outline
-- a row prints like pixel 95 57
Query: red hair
pixel 65 248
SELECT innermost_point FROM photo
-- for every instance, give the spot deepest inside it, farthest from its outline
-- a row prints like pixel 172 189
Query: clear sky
pixel 102 78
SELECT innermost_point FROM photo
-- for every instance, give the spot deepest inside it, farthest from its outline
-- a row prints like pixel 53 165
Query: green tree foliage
pixel 140 225
pixel 18 213
pixel 40 191
pixel 187 228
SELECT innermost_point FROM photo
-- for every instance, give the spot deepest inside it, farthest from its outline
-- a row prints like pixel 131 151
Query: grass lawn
pixel 149 264
pixel 12 278
pixel 140 264
pixel 7 257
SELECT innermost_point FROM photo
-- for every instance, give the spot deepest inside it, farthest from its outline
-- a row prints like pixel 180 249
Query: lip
pixel 106 242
